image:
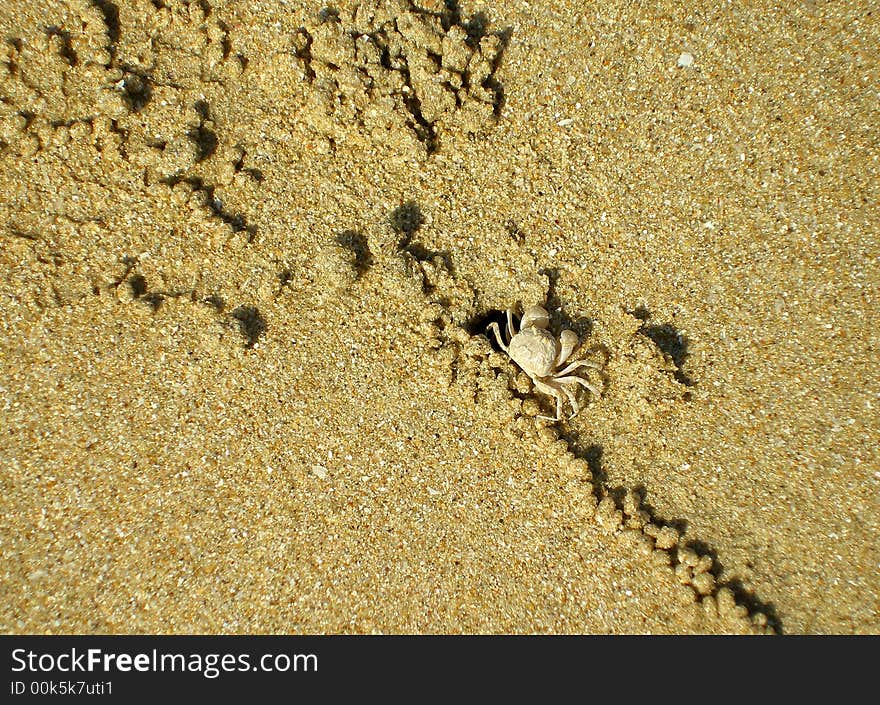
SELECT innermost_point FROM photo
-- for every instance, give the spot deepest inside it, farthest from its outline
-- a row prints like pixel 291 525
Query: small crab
pixel 540 355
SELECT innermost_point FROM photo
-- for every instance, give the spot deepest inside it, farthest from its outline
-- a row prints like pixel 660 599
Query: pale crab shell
pixel 535 350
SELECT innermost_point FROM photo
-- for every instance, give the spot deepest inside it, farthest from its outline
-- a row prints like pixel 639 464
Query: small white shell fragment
pixel 319 471
pixel 685 60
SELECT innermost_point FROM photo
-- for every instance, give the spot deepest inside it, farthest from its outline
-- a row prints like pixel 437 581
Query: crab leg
pixel 575 407
pixel 575 365
pixel 553 391
pixel 494 328
pixel 579 380
pixel 511 329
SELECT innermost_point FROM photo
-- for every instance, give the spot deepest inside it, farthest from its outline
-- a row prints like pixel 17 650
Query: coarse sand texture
pixel 251 257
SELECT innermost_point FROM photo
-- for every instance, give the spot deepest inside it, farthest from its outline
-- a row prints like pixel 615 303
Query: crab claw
pixel 568 341
pixel 535 317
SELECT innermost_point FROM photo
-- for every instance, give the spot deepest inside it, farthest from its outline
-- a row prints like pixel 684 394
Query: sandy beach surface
pixel 249 252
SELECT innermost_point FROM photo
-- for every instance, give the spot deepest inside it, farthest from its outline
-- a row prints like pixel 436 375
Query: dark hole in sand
pixel 479 324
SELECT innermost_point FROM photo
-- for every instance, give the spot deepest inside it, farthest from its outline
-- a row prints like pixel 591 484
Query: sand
pixel 249 250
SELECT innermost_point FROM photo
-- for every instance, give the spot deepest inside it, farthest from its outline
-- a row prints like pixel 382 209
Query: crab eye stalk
pixel 535 317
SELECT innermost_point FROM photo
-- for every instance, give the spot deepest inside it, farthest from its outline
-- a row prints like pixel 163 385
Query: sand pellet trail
pixel 249 251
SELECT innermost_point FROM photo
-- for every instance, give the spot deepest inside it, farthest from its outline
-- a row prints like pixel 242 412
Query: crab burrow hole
pixel 479 324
